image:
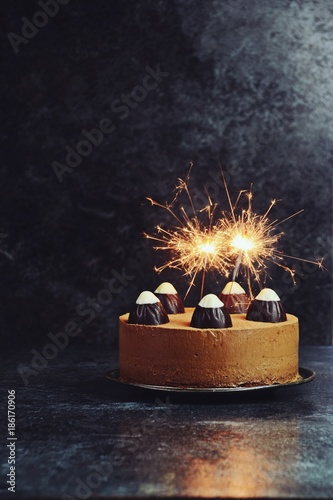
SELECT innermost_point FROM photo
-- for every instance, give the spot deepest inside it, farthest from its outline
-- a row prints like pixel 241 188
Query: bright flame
pixel 193 248
pixel 243 243
pixel 207 247
pixel 236 241
pixel 252 241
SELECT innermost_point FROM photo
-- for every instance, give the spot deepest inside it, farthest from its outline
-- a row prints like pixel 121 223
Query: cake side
pixel 175 354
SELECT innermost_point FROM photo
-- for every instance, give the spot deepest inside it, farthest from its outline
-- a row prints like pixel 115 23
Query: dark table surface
pixel 80 435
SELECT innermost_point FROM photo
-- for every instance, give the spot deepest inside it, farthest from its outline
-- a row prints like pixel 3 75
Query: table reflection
pixel 238 458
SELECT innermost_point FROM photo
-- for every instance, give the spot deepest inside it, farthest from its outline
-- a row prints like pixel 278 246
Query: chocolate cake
pixel 245 351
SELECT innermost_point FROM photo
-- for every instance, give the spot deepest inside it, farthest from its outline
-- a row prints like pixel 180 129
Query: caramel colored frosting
pixel 175 354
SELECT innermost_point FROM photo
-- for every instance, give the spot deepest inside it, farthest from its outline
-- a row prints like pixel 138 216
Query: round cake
pixel 175 354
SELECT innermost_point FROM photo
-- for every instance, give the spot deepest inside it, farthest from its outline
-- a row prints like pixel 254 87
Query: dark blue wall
pixel 245 83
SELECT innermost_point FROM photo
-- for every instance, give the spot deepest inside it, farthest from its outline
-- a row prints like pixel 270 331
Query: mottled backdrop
pixel 107 102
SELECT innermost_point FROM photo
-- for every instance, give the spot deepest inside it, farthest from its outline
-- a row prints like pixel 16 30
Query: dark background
pixel 249 84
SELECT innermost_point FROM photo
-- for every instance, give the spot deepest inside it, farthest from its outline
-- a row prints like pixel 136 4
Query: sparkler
pixel 235 242
pixel 194 246
pixel 252 241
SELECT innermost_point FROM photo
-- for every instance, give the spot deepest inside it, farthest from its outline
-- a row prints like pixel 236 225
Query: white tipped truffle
pixel 146 297
pixel 148 310
pixel 170 299
pixel 210 313
pixel 266 307
pixel 234 298
pixel 233 288
pixel 267 295
pixel 166 288
pixel 210 301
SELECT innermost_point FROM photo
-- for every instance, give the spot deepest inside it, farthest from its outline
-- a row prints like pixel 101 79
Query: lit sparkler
pixel 194 246
pixel 252 240
pixel 235 242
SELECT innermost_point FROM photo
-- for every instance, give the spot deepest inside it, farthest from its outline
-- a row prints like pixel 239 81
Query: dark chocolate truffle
pixel 234 298
pixel 266 307
pixel 210 313
pixel 170 299
pixel 148 310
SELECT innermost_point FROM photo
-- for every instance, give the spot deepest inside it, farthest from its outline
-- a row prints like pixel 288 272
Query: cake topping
pixel 147 297
pixel 233 288
pixel 210 313
pixel 170 299
pixel 148 310
pixel 234 298
pixel 266 307
pixel 267 294
pixel 166 287
pixel 210 301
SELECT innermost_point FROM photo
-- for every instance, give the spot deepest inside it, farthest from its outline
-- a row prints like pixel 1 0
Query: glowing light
pixel 243 243
pixel 236 241
pixel 252 240
pixel 207 247
pixel 194 245
pixel 193 248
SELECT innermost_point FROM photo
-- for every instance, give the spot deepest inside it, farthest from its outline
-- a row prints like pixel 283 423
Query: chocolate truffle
pixel 170 299
pixel 266 307
pixel 210 313
pixel 148 310
pixel 234 298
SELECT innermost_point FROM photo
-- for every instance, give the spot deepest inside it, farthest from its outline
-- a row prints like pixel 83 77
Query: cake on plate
pixel 208 346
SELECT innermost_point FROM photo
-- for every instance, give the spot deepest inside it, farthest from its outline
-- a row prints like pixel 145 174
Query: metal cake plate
pixel 305 375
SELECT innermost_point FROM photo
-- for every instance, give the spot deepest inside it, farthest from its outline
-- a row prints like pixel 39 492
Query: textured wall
pixel 246 83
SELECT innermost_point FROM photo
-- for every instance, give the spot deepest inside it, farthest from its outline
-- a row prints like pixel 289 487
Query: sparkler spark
pixel 237 241
pixel 193 246
pixel 252 241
